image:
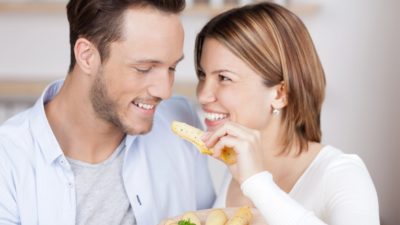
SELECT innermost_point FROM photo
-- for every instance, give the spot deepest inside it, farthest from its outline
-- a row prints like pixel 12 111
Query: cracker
pixel 193 135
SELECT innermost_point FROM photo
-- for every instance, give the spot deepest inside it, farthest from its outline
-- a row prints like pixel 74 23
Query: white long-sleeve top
pixel 336 189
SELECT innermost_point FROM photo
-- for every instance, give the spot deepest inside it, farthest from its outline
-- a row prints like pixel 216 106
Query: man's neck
pixel 81 134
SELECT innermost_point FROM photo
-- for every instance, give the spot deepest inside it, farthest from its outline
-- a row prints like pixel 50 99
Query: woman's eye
pixel 143 69
pixel 224 78
pixel 201 75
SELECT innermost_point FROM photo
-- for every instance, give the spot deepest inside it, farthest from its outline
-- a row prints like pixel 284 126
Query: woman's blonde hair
pixel 275 43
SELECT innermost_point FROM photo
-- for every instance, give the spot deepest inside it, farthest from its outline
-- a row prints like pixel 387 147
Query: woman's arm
pixel 349 197
pixel 274 204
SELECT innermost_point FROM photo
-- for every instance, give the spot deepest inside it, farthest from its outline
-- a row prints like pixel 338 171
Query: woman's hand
pixel 245 142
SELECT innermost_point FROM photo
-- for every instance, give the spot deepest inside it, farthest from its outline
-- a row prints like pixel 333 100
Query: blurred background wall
pixel 358 43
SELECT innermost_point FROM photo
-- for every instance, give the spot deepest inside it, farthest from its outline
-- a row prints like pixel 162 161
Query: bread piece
pixel 216 217
pixel 193 135
pixel 243 216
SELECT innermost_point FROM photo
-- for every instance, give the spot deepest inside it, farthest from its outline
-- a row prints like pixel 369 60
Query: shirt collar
pixel 41 130
pixel 40 127
pixel 129 140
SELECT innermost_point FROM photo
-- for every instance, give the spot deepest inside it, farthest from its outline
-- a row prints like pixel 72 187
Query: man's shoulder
pixel 15 126
pixel 15 136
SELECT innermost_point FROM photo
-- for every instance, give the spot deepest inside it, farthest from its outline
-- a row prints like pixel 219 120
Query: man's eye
pixel 143 69
pixel 224 78
pixel 172 69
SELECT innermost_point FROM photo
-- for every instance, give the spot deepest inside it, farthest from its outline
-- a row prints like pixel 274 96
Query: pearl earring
pixel 276 112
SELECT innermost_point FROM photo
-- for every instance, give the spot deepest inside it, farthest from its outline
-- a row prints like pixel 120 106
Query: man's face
pixel 140 70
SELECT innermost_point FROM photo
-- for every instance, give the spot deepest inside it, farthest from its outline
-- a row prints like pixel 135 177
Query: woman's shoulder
pixel 331 158
pixel 338 169
pixel 346 181
pixel 333 166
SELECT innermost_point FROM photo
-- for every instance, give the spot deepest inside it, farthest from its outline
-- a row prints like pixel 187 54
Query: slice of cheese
pixel 193 135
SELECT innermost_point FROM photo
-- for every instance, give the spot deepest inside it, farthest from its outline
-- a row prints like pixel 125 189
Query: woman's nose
pixel 206 92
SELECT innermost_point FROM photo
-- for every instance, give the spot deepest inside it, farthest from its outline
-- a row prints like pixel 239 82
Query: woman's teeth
pixel 215 116
pixel 144 106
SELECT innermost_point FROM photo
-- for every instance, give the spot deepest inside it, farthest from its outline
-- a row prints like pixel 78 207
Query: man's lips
pixel 144 106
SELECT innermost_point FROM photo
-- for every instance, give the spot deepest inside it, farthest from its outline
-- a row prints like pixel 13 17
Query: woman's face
pixel 229 90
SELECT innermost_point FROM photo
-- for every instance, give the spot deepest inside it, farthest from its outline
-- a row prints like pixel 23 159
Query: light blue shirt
pixel 164 175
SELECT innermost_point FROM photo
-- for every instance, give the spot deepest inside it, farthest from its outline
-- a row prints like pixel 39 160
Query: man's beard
pixel 103 105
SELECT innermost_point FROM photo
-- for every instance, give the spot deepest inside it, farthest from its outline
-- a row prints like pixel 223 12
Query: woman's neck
pixel 287 168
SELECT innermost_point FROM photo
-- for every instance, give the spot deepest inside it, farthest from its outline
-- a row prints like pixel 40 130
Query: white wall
pixel 33 46
pixel 36 46
pixel 358 43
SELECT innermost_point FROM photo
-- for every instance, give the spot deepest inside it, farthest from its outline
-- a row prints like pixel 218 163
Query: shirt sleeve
pixel 349 198
pixel 274 204
pixel 8 205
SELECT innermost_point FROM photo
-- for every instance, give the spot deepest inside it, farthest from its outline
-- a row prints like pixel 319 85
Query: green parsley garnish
pixel 185 222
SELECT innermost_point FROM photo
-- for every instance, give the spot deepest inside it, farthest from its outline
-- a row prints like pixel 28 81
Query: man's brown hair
pixel 100 21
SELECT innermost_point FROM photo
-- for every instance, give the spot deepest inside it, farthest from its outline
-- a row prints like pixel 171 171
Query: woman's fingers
pixel 228 129
pixel 225 142
pixel 249 157
pixel 246 145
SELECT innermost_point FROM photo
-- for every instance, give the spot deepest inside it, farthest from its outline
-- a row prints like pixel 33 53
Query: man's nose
pixel 161 85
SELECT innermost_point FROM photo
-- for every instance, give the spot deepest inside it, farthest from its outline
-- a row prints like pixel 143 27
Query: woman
pixel 261 85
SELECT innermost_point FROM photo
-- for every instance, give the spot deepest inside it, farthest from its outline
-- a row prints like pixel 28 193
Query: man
pixel 83 154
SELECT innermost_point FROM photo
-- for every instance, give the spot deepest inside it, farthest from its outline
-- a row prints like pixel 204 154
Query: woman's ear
pixel 86 55
pixel 280 100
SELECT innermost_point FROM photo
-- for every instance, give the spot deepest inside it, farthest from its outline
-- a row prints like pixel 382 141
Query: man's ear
pixel 86 55
pixel 280 100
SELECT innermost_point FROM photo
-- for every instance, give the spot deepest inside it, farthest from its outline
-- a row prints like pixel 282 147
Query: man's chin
pixel 139 130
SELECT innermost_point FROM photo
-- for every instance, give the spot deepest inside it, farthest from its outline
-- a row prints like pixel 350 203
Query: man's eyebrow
pixel 152 61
